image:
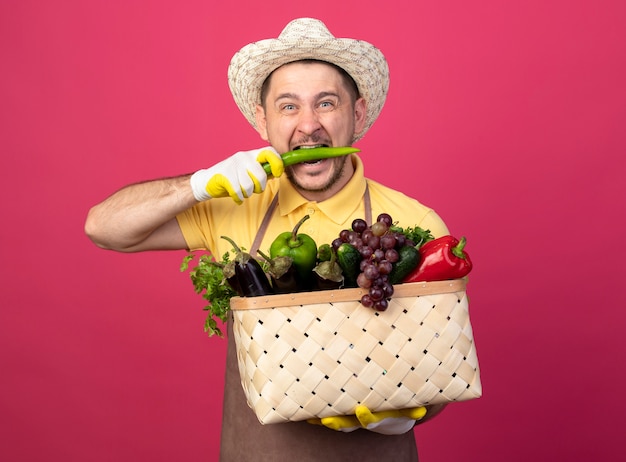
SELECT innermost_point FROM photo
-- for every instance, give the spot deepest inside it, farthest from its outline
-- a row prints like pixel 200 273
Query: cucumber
pixel 349 259
pixel 409 259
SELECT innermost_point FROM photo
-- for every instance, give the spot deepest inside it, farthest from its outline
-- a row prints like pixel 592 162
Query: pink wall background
pixel 506 117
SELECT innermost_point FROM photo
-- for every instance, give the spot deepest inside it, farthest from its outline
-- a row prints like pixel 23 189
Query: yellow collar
pixel 338 208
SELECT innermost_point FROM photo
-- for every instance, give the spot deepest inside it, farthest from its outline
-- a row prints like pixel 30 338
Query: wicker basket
pixel 319 354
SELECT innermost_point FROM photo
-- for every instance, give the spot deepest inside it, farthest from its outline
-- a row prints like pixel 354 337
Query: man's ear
pixel 261 122
pixel 360 111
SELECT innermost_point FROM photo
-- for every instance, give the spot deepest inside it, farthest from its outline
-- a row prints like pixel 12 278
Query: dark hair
pixel 348 81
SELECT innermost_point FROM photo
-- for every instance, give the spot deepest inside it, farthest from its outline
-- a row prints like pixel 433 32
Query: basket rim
pixel 410 289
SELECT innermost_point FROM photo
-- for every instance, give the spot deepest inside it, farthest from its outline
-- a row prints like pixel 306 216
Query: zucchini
pixel 409 259
pixel 349 259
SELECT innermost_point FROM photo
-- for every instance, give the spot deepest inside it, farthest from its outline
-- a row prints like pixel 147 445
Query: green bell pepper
pixel 301 248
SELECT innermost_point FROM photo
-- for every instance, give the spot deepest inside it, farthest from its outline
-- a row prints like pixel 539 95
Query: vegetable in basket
pixel 282 273
pixel 300 247
pixel 328 274
pixel 416 235
pixel 442 259
pixel 209 279
pixel 408 259
pixel 250 275
pixel 324 252
pixel 349 258
pixel 230 275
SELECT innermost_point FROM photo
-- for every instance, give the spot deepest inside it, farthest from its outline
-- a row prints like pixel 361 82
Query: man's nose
pixel 309 121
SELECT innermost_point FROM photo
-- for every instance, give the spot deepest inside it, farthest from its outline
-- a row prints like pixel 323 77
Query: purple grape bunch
pixel 378 245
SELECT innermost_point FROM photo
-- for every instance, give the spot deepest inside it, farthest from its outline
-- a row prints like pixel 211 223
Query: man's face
pixel 308 104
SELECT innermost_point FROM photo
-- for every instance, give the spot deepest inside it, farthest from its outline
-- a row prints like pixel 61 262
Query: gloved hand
pixel 393 422
pixel 238 176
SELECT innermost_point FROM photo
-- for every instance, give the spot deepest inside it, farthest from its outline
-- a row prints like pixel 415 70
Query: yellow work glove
pixel 238 176
pixel 393 422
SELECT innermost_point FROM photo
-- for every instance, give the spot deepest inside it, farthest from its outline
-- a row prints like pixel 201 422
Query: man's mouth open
pixel 312 162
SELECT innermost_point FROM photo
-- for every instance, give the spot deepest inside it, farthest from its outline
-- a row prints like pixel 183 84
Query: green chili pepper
pixel 300 247
pixel 311 154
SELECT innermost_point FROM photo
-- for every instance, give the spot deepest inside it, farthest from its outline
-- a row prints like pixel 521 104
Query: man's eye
pixel 289 107
pixel 327 105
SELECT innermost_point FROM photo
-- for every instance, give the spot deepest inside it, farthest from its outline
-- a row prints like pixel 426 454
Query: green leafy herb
pixel 418 235
pixel 209 281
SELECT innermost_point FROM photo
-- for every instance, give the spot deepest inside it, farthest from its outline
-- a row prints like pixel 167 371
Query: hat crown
pixel 305 28
pixel 309 39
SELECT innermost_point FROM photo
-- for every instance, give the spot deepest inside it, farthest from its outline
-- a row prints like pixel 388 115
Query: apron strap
pixel 367 204
pixel 263 228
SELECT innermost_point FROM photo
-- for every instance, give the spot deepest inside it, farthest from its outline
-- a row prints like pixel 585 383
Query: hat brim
pixel 362 61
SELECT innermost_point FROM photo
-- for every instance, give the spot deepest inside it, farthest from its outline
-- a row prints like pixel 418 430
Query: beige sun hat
pixel 308 38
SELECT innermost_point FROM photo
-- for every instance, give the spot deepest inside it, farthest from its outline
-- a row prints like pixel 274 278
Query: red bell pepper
pixel 442 259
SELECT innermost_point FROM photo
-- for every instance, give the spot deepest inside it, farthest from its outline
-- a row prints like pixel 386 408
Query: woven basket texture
pixel 324 358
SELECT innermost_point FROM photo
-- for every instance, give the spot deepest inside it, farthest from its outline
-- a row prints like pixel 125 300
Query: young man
pixel 304 89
